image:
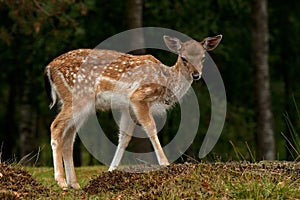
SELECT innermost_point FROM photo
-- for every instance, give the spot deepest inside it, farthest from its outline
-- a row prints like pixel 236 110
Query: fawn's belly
pixel 109 100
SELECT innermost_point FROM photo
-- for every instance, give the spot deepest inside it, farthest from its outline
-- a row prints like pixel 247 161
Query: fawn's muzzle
pixel 196 76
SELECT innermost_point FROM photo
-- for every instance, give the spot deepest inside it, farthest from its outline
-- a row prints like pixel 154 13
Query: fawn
pixel 84 79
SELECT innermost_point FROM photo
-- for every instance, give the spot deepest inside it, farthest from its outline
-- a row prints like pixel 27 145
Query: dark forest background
pixel 258 59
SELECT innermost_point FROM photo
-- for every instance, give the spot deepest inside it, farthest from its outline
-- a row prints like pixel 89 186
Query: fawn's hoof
pixel 112 168
pixel 164 163
pixel 62 184
pixel 75 186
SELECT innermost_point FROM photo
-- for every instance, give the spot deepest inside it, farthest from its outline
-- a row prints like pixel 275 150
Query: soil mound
pixel 118 181
pixel 16 183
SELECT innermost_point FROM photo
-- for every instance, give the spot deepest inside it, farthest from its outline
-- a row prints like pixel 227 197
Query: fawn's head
pixel 193 52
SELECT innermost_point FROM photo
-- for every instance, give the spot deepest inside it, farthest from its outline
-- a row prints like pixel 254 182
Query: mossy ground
pixel 231 180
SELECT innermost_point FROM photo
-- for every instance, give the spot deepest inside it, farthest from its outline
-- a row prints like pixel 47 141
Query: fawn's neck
pixel 183 79
pixel 182 69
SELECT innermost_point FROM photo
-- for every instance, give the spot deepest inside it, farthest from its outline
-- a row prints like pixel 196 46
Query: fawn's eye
pixel 183 59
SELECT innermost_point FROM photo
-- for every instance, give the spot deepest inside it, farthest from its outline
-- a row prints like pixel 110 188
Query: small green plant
pixel 239 155
pixel 292 138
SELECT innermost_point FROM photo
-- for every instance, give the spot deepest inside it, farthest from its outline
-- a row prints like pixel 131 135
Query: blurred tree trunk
pixel 134 19
pixel 27 126
pixel 260 51
pixel 8 138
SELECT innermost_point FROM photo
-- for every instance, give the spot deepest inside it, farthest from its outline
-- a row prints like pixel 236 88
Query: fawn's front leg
pixel 145 118
pixel 126 128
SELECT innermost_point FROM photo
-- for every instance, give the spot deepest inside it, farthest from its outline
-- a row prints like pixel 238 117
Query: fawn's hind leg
pixel 58 127
pixel 67 150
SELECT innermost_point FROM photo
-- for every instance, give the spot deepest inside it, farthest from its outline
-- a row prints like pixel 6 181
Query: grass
pixel 84 174
pixel 232 180
pixel 292 137
pixel 44 175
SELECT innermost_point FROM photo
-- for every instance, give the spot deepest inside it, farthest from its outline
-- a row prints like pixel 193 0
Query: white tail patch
pixel 53 89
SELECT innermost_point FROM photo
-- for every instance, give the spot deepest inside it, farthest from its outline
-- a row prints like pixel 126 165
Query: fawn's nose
pixel 196 75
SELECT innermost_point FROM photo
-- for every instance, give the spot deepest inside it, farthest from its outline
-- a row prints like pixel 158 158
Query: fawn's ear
pixel 210 43
pixel 174 44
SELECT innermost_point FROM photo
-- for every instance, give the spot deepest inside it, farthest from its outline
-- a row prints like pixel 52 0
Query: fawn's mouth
pixel 196 76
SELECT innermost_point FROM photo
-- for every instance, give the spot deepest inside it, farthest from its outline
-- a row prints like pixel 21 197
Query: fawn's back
pixel 103 75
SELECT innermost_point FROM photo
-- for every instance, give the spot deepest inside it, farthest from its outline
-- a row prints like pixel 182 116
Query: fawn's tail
pixel 50 88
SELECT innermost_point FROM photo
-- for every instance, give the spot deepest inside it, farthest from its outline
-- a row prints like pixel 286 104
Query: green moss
pixel 231 180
